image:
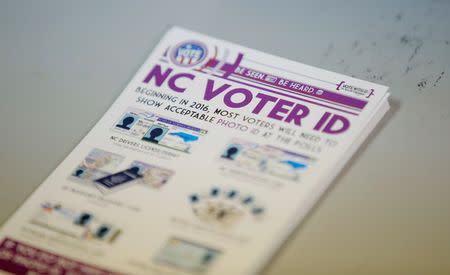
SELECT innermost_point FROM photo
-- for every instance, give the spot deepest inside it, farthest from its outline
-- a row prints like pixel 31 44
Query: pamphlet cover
pixel 204 164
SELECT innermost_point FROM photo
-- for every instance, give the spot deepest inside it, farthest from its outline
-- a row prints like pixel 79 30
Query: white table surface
pixel 62 63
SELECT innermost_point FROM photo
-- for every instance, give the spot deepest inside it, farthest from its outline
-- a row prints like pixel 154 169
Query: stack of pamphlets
pixel 205 163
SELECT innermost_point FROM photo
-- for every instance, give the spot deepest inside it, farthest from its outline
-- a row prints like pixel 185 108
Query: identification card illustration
pixel 98 163
pixel 187 256
pixel 224 207
pixel 252 158
pixel 75 223
pixel 99 169
pixel 149 127
pixel 152 175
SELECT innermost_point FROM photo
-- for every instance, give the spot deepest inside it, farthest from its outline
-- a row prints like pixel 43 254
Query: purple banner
pixel 181 125
pixel 299 88
pixel 19 258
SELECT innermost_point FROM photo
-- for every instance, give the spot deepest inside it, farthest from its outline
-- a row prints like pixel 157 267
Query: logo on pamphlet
pixel 355 90
pixel 189 53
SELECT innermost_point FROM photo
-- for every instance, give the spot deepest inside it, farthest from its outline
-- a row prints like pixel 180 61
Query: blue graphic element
pixel 155 134
pixel 185 136
pixel 194 198
pixel 189 53
pixel 127 121
pixel 215 192
pixel 247 200
pixel 295 165
pixel 257 210
pixel 232 194
pixel 232 152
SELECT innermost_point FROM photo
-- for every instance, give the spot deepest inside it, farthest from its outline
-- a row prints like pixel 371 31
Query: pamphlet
pixel 204 164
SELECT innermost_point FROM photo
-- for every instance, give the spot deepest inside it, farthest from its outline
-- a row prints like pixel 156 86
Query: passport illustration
pixel 100 169
pixel 116 180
